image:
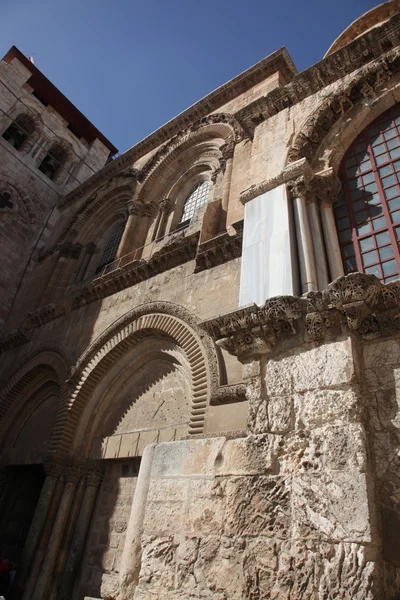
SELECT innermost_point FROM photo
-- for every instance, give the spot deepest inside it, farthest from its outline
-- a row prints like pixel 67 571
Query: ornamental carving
pixel 238 134
pixel 357 302
pixel 363 84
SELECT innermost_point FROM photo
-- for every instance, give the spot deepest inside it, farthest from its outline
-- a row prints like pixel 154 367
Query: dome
pixel 374 17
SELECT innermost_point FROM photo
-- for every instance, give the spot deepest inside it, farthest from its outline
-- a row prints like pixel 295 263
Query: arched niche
pixel 145 396
pixel 158 320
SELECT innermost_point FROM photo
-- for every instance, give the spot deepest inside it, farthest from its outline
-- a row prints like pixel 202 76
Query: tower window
pixel 19 131
pixel 197 197
pixel 368 212
pixel 54 161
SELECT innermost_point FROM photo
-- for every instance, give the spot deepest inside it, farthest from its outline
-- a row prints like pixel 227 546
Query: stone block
pixel 113 445
pixel 246 456
pixel 164 518
pixel 129 443
pixel 258 506
pixel 187 457
pixel 331 506
pixel 317 407
pixel 331 364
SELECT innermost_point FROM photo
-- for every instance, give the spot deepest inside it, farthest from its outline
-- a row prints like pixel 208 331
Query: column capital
pixel 165 204
pixel 300 188
pixel 54 465
pixel 326 187
pixel 141 209
pixel 94 474
pixel 227 150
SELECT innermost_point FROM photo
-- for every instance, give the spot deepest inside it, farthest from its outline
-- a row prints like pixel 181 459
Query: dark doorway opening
pixel 18 504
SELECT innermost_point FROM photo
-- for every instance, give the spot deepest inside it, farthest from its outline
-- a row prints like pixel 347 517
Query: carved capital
pixel 54 465
pixel 253 331
pixel 227 150
pixel 165 204
pixel 300 188
pixel 141 209
pixel 73 470
pixel 326 187
pixel 215 174
pixel 94 474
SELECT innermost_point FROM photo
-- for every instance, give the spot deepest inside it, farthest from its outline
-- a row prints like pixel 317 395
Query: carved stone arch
pixel 95 208
pixel 220 125
pixel 20 198
pixel 196 149
pixel 26 108
pixel 165 318
pixel 48 358
pixel 364 96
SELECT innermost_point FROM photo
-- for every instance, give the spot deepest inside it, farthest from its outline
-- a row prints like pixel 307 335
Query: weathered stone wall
pixel 283 513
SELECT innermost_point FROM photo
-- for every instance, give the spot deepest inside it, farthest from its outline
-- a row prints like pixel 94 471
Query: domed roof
pixel 376 16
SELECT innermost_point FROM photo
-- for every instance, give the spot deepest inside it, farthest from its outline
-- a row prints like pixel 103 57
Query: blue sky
pixel 132 65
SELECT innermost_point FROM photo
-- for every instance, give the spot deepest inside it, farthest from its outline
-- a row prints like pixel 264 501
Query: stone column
pixel 227 165
pixel 162 217
pixel 72 474
pixel 92 480
pixel 81 271
pixel 36 545
pixel 326 186
pixel 308 272
pixel 127 241
pixel 318 244
pixel 131 556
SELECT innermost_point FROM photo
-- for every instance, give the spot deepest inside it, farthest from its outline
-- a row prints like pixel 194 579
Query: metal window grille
pixel 197 197
pixel 368 212
pixel 111 247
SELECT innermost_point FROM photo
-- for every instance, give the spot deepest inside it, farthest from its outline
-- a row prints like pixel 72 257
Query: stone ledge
pixel 357 302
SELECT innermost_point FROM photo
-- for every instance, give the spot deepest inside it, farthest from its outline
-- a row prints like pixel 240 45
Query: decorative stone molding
pixel 219 250
pixel 54 464
pixel 178 251
pixel 326 186
pixel 228 394
pixel 365 49
pixel 141 209
pixel 291 172
pixel 47 357
pixel 94 474
pixel 238 134
pixel 361 86
pixel 357 302
pixel 158 317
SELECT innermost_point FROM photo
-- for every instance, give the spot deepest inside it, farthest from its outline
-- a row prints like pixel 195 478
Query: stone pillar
pixel 84 263
pixel 131 556
pixel 227 165
pixel 318 244
pixel 36 545
pixel 327 188
pixel 92 480
pixel 308 271
pixel 72 474
pixel 136 230
pixel 162 217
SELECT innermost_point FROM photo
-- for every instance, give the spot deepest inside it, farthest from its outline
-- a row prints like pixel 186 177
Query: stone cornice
pixel 352 57
pixel 278 61
pixel 357 303
pixel 219 250
pixel 300 168
pixel 359 53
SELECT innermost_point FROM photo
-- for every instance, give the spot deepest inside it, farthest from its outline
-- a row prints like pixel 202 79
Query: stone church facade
pixel 200 337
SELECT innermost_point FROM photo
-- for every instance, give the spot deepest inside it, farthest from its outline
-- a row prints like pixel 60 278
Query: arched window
pixel 54 161
pixel 19 131
pixel 197 197
pixel 111 247
pixel 368 212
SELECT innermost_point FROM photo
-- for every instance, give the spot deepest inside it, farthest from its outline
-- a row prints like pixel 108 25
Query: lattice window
pixel 197 197
pixel 111 247
pixel 368 212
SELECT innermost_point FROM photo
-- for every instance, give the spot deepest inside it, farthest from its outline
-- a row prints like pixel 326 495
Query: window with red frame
pixel 368 211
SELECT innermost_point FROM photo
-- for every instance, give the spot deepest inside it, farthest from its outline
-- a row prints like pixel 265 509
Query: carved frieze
pixel 357 302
